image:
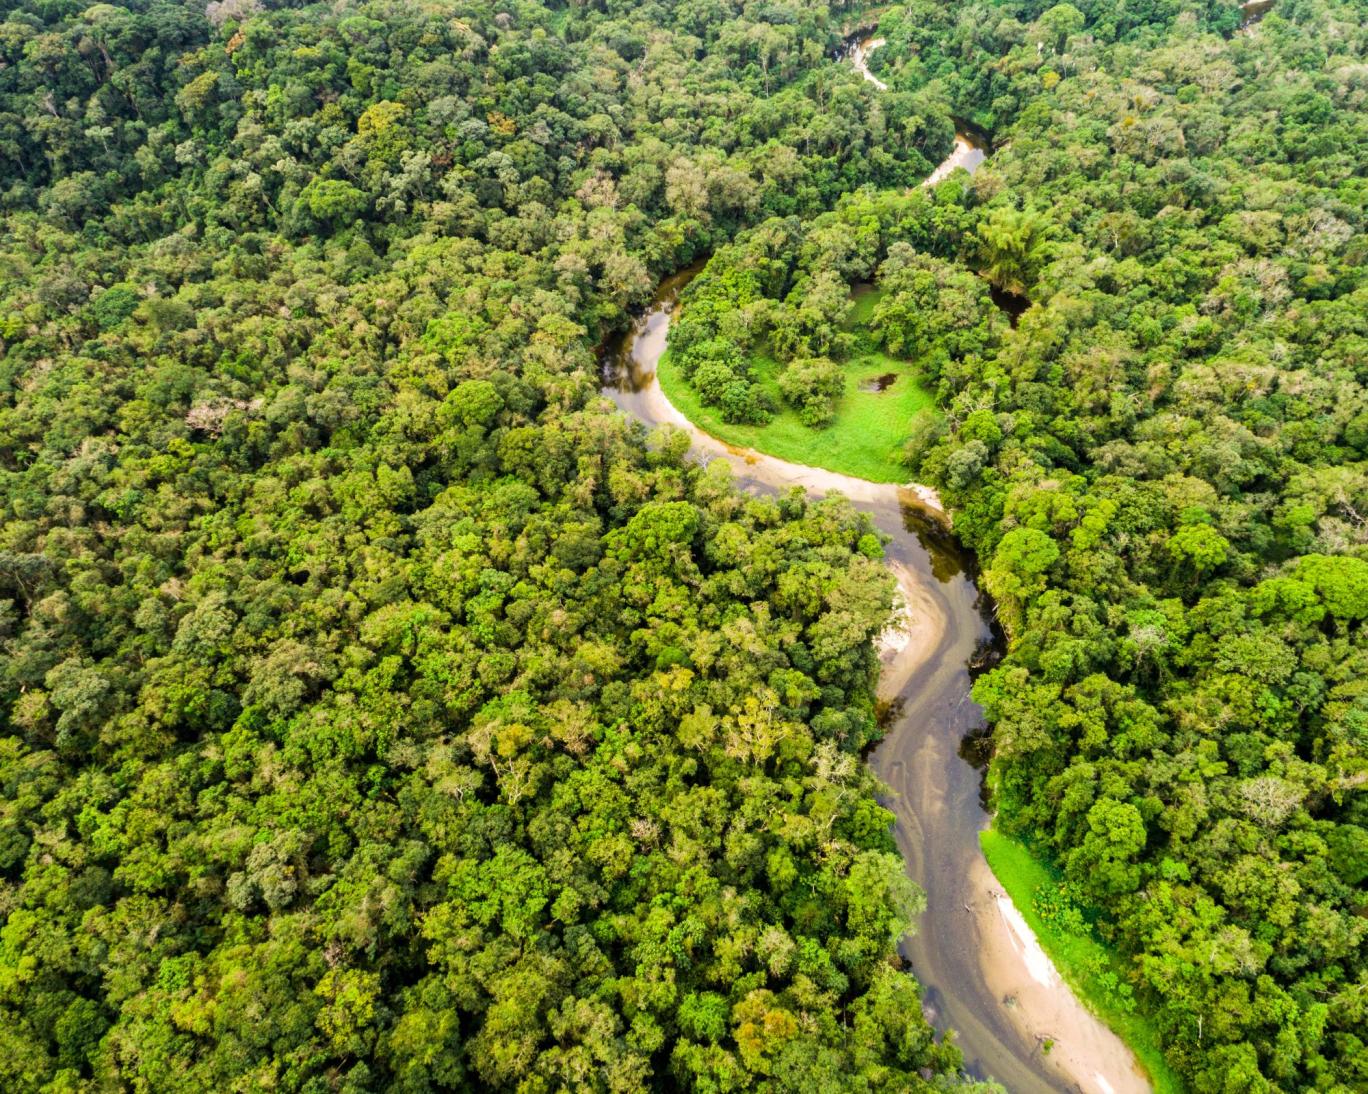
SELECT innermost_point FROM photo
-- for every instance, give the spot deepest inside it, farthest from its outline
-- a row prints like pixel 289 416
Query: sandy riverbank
pixel 859 57
pixel 1082 1049
pixel 983 969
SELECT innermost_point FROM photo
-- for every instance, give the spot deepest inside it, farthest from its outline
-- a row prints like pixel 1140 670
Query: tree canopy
pixel 1163 470
pixel 379 710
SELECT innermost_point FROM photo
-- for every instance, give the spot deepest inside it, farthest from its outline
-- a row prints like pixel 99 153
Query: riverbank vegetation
pixel 1163 467
pixel 1164 470
pixel 377 710
pixel 820 341
pixel 866 439
pixel 854 418
pixel 1088 966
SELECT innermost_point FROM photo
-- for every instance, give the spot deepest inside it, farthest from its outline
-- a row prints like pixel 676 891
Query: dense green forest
pixel 1163 466
pixel 378 710
pixel 1163 469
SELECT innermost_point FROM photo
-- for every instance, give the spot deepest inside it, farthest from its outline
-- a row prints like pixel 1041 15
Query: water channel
pixel 981 970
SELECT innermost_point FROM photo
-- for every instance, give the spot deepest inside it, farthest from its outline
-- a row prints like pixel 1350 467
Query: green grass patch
pixel 867 437
pixel 865 440
pixel 864 299
pixel 1086 963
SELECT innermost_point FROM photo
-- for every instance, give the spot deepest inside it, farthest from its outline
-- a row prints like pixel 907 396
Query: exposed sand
pixel 1083 1050
pixel 966 153
pixel 1032 1000
pixel 649 403
pixel 917 627
pixel 859 57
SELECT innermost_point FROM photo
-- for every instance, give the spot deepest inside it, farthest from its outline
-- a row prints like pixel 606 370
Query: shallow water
pixel 880 383
pixel 859 57
pixel 969 150
pixel 982 972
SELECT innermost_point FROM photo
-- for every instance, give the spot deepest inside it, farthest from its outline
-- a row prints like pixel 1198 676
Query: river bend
pixel 981 970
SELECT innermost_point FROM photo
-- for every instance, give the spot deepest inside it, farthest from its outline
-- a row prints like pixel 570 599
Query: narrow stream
pixel 969 150
pixel 981 970
pixel 857 49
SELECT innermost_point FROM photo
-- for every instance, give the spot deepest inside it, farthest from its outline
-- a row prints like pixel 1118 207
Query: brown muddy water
pixel 981 971
pixel 879 383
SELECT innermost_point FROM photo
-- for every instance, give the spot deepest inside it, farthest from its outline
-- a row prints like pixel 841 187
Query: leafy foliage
pixel 1161 471
pixel 378 711
pixel 784 290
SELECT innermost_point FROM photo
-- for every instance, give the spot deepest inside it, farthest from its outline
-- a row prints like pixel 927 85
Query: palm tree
pixel 1013 245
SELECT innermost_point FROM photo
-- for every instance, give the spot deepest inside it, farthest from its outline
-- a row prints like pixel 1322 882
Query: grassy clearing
pixel 865 440
pixel 871 427
pixel 1088 965
pixel 865 298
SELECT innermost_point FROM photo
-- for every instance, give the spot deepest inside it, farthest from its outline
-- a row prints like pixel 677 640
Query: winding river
pixel 981 970
pixel 968 152
pixel 1252 11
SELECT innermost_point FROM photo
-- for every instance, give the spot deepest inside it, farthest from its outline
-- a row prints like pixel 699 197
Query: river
pixel 969 150
pixel 981 970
